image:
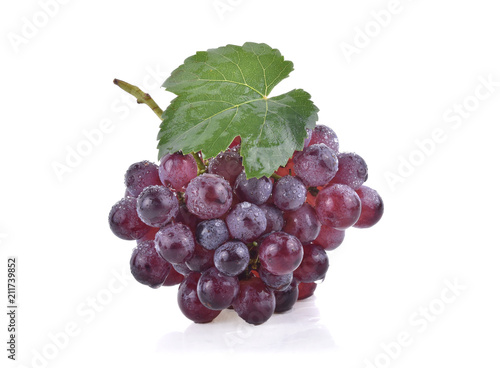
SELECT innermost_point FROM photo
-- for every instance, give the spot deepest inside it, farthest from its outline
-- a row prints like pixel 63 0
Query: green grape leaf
pixel 224 93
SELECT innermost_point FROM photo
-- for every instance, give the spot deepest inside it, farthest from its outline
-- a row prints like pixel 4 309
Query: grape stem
pixel 275 176
pixel 141 96
pixel 145 98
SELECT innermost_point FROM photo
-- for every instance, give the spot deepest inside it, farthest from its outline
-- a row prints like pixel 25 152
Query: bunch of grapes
pixel 253 245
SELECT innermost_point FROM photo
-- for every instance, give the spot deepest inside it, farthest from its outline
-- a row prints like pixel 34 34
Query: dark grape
pixel 330 238
pixel 353 170
pixel 274 217
pixel 275 282
pixel 226 164
pixel 325 135
pixel 232 258
pixel 208 196
pixel 286 299
pixel 187 218
pixel 141 175
pixel 246 222
pixel 253 190
pixel 189 303
pixel 177 170
pixel 289 193
pixel 175 243
pixel 147 266
pixel 255 303
pixel 157 205
pixel 173 278
pixel 316 165
pixel 314 264
pixel 338 206
pixel 372 207
pixel 280 253
pixel 210 234
pixel 182 268
pixel 124 221
pixel 201 260
pixel 217 291
pixel 306 289
pixel 302 223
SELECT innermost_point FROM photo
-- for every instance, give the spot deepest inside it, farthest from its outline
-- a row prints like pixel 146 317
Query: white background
pixel 402 84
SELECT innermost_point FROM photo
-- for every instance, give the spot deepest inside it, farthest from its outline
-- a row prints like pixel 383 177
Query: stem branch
pixel 141 96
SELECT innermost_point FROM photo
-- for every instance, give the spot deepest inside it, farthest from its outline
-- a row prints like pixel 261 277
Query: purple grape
pixel 182 268
pixel 208 196
pixel 274 217
pixel 330 238
pixel 201 260
pixel 286 299
pixel 141 175
pixel 372 207
pixel 124 221
pixel 246 222
pixel 175 243
pixel 289 193
pixel 187 218
pixel 232 258
pixel 338 206
pixel 210 234
pixel 280 253
pixel 147 266
pixel 157 205
pixel 189 303
pixel 173 278
pixel 226 164
pixel 275 282
pixel 177 170
pixel 253 190
pixel 353 170
pixel 254 303
pixel 217 291
pixel 306 289
pixel 302 223
pixel 325 135
pixel 314 264
pixel 316 165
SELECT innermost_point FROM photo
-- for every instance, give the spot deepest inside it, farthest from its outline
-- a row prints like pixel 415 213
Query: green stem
pixel 145 98
pixel 275 176
pixel 201 165
pixel 141 96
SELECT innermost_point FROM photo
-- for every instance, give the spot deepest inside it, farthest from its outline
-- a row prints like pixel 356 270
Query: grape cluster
pixel 254 245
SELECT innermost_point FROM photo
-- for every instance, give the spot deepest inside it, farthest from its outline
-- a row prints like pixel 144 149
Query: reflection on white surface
pixel 300 329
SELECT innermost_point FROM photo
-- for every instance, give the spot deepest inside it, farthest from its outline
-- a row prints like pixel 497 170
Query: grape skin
pixel 255 303
pixel 316 165
pixel 330 238
pixel 189 303
pixel 274 217
pixel 289 193
pixel 306 289
pixel 232 258
pixel 217 291
pixel 211 234
pixel 280 253
pixel 302 223
pixel 208 196
pixel 352 171
pixel 177 170
pixel 372 207
pixel 175 243
pixel 286 299
pixel 314 265
pixel 325 135
pixel 246 222
pixel 201 260
pixel 226 164
pixel 157 206
pixel 124 221
pixel 275 282
pixel 141 175
pixel 338 206
pixel 147 266
pixel 256 191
